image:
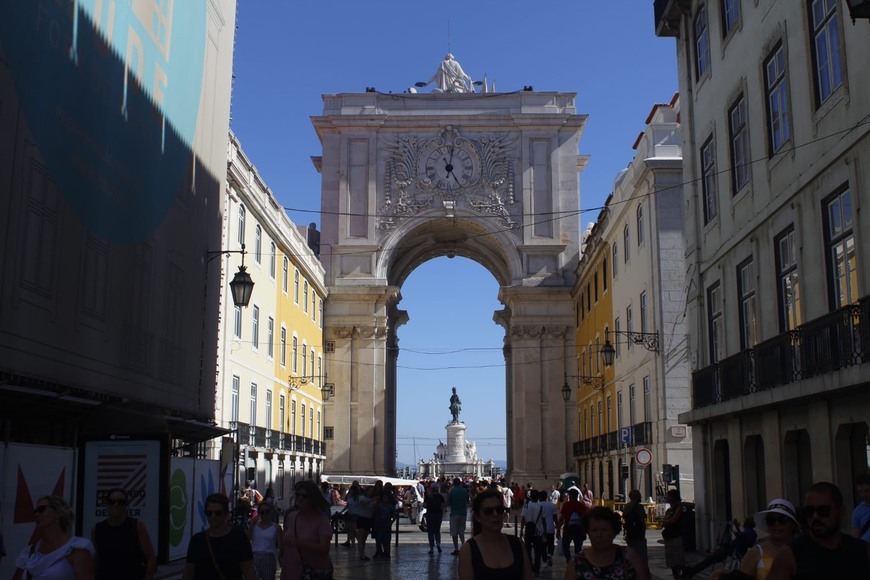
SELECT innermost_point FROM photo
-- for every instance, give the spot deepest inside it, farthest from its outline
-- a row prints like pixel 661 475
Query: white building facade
pixel 775 100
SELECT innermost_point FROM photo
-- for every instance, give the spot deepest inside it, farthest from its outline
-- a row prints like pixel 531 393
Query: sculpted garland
pixel 424 173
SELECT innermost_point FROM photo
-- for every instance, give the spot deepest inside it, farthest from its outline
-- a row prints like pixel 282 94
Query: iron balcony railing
pixel 641 434
pixel 835 341
pixel 253 436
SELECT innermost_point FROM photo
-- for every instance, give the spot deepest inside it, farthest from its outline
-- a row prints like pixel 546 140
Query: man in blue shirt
pixel 861 513
pixel 457 498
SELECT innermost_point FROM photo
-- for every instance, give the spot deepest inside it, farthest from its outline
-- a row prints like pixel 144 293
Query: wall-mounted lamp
pixel 242 285
pixel 328 391
pixel 296 382
pixel 649 340
pixel 596 382
pixel 859 9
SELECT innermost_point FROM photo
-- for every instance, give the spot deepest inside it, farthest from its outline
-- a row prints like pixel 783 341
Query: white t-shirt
pixel 508 496
pixel 532 512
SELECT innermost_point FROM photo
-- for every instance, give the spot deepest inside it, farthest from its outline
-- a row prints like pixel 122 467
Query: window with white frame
pixel 776 91
pixel 647 400
pixel 321 313
pixel 253 406
pixel 748 301
pixel 317 433
pixel 639 220
pixel 255 327
pixel 304 358
pixel 293 417
pixel 234 404
pixel 285 274
pixel 626 241
pixel 273 259
pixel 609 413
pixel 258 244
pixel 270 348
pixel 738 132
pixel 269 409
pixel 628 328
pixel 730 15
pixel 302 417
pixel 619 416
pixel 240 230
pixel 294 353
pixel 715 326
pixel 702 42
pixel 283 352
pixel 320 380
pixel 840 243
pixel 311 361
pixel 237 322
pixel 788 286
pixel 305 296
pixel 311 422
pixel 615 260
pixel 632 412
pixel 643 309
pixel 616 348
pixel 296 286
pixel 708 181
pixel 826 48
pixel 281 412
pixel 604 273
pixel 313 305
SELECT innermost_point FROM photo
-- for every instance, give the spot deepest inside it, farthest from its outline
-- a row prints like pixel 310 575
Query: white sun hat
pixel 776 506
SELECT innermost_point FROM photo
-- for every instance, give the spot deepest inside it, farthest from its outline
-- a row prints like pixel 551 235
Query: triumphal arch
pixel 414 176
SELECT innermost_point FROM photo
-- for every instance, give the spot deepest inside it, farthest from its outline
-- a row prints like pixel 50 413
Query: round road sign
pixel 643 456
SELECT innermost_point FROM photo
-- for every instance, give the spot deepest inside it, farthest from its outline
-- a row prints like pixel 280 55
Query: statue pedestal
pixel 455 443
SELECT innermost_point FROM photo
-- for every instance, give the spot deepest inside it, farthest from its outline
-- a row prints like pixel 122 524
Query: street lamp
pixel 649 340
pixel 242 285
pixel 859 9
pixel 596 382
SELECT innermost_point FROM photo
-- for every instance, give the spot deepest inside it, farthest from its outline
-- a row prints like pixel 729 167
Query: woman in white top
pixel 265 538
pixel 58 555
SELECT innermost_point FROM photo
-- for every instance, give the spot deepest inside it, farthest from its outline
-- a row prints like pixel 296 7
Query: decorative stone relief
pixel 527 331
pixel 423 173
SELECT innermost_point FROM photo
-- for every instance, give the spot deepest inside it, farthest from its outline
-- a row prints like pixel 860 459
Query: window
pixel 643 304
pixel 826 48
pixel 311 422
pixel 702 42
pixel 595 285
pixel 588 298
pixel 285 274
pixel 253 407
pixel 304 358
pixel 270 348
pixel 714 322
pixel 626 240
pixel 647 400
pixel 283 352
pixel 293 417
pixel 321 313
pixel 840 242
pixel 302 416
pixel 777 99
pixel 313 305
pixel 317 433
pixel 269 409
pixel 619 416
pixel 600 419
pixel 615 256
pixel 312 365
pixel 604 273
pixel 632 414
pixel 237 322
pixel 609 414
pixel 639 219
pixel 234 405
pixel 255 327
pixel 788 288
pixel 305 297
pixel 240 233
pixel 748 304
pixel 273 259
pixel 281 412
pixel 627 325
pixel 296 286
pixel 739 145
pixel 730 15
pixel 616 337
pixel 319 371
pixel 293 354
pixel 585 423
pixel 708 181
pixel 258 244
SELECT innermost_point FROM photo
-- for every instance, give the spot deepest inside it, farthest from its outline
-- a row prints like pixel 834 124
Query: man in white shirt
pixel 508 499
pixel 548 516
pixel 533 527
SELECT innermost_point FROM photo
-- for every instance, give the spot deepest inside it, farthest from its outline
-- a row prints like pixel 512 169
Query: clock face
pixel 451 166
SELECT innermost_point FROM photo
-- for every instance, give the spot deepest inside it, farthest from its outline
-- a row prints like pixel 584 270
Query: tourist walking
pixel 571 520
pixel 123 546
pixel 221 552
pixel 57 555
pixel 533 529
pixel 491 554
pixel 634 517
pixel 265 536
pixel 457 498
pixel 672 532
pixel 824 552
pixel 548 517
pixel 351 510
pixel 434 503
pixel 366 503
pixel 304 551
pixel 861 513
pixel 385 512
pixel 604 559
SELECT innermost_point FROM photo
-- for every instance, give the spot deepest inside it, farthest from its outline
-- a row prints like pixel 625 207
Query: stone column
pixel 455 443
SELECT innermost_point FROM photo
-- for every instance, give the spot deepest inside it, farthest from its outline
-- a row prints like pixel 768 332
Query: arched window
pixel 241 227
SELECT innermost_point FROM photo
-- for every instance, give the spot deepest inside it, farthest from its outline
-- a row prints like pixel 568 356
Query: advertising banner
pixel 29 472
pixel 128 464
pixel 181 479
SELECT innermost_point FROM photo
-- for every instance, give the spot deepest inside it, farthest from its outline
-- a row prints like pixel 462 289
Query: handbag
pixel 310 572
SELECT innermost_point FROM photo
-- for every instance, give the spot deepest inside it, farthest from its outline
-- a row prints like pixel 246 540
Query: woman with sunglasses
pixel 306 538
pixel 490 553
pixel 780 522
pixel 221 552
pixel 124 548
pixel 58 555
pixel 265 536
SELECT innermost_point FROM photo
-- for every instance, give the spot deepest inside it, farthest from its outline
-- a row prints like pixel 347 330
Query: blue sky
pixel 288 54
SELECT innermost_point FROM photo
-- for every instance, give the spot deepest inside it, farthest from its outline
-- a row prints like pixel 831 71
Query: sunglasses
pixel 305 495
pixel 772 520
pixel 116 502
pixel 823 511
pixel 211 513
pixel 500 510
pixel 40 509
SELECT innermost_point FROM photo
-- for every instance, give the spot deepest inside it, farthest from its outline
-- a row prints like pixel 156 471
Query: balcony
pixel 835 341
pixel 668 14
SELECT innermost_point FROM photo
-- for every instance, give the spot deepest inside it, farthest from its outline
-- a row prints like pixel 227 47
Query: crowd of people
pixel 795 543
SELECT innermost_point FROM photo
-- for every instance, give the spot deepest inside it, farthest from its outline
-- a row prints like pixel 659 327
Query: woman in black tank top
pixel 490 553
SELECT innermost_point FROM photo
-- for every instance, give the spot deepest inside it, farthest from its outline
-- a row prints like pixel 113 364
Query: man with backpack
pixel 571 518
pixel 634 520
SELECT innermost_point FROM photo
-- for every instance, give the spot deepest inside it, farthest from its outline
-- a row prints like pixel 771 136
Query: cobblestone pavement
pixel 410 559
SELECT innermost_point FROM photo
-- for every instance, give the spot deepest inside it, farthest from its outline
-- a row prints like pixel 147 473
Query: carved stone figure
pixel 450 78
pixel 455 406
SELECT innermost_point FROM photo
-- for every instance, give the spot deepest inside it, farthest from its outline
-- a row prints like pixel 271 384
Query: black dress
pixel 229 551
pixel 118 552
pixel 484 572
